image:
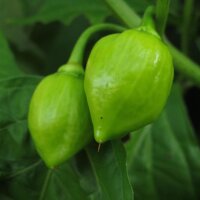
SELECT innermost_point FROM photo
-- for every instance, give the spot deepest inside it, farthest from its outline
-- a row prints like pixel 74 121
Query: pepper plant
pixel 99 100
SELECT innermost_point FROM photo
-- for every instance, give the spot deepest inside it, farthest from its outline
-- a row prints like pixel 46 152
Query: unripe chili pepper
pixel 59 119
pixel 127 82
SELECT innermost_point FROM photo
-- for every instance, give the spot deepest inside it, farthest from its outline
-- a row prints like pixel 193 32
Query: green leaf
pixel 8 66
pixel 25 185
pixel 109 167
pixel 58 44
pixel 30 183
pixel 15 144
pixel 17 35
pixel 165 158
pixel 65 184
pixel 65 11
pixel 86 176
pixel 17 151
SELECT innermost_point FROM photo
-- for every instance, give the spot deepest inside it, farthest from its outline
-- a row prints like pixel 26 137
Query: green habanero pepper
pixel 59 119
pixel 127 81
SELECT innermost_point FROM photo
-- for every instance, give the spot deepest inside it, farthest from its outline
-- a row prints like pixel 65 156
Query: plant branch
pixel 162 10
pixel 183 64
pixel 187 15
pixel 124 12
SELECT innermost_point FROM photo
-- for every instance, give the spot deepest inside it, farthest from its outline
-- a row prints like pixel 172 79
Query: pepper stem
pixel 161 12
pixel 148 24
pixel 79 48
pixel 99 146
pixel 147 19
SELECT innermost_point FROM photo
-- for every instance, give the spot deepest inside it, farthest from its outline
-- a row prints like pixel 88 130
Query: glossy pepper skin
pixel 127 82
pixel 59 119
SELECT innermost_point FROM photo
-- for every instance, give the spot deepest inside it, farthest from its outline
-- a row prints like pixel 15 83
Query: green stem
pixel 186 24
pixel 182 63
pixel 148 24
pixel 22 171
pixel 124 12
pixel 78 50
pixel 162 10
pixel 45 185
pixel 147 19
pixel 185 66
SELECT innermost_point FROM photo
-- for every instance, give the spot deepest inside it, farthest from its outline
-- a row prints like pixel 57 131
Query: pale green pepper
pixel 127 82
pixel 59 119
